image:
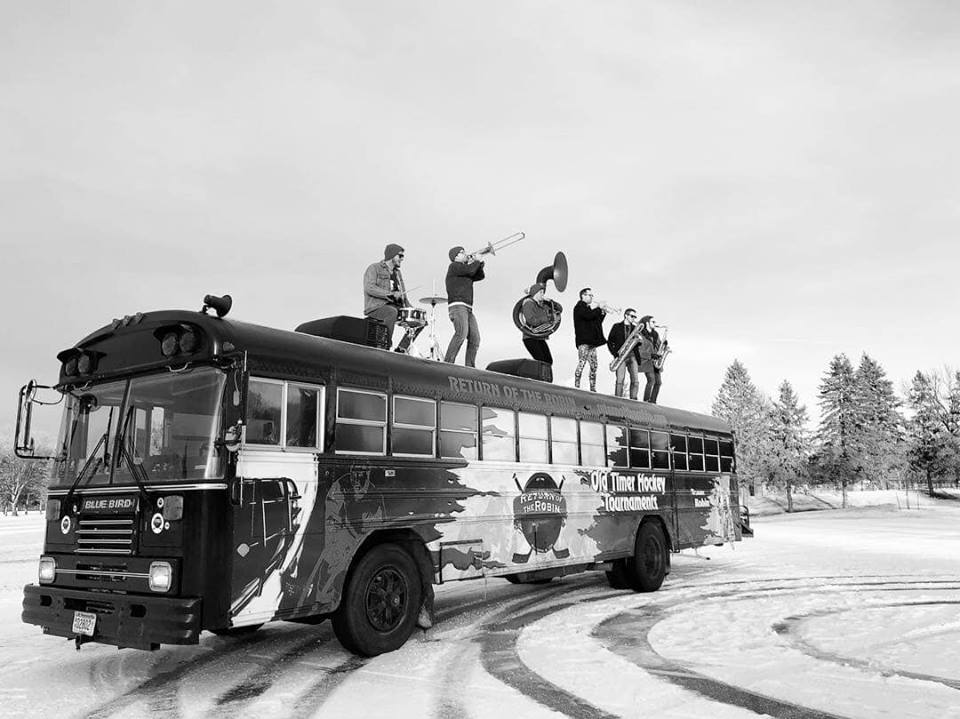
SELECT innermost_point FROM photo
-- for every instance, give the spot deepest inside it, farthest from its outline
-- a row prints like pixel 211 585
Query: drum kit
pixel 414 320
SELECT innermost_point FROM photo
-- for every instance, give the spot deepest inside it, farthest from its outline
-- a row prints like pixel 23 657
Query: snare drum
pixel 412 316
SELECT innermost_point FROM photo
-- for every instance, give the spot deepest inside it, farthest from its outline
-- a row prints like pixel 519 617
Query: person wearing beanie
pixel 588 335
pixel 463 271
pixel 537 312
pixel 384 293
pixel 651 348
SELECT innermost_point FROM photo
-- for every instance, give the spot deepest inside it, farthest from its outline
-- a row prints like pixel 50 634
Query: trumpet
pixel 607 308
pixel 492 247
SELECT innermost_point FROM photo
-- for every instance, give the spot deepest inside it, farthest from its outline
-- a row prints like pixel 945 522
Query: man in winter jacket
pixel 461 274
pixel 383 292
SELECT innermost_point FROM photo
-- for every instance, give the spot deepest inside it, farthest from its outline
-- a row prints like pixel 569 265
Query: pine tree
pixel 786 459
pixel 880 442
pixel 840 427
pixel 741 404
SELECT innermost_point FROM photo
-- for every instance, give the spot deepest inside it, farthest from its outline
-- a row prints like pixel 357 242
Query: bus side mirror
pixel 24 445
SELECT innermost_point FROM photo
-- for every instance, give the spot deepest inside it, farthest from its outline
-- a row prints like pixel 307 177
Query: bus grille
pixel 105 536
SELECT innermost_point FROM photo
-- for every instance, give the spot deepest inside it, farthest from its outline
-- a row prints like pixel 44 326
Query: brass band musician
pixel 652 349
pixel 588 335
pixel 538 312
pixel 463 271
pixel 619 335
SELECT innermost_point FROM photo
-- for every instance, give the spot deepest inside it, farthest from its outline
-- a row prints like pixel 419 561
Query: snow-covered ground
pixel 835 613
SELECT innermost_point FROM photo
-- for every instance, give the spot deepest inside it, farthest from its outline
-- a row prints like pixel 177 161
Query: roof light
pixel 189 341
pixel 70 367
pixel 170 344
pixel 85 363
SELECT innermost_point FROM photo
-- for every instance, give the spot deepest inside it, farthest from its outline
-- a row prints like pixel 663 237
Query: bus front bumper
pixel 123 620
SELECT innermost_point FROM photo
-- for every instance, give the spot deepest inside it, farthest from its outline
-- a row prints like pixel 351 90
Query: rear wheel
pixel 648 566
pixel 380 603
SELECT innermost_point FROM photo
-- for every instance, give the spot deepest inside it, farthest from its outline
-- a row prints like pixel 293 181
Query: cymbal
pixel 438 300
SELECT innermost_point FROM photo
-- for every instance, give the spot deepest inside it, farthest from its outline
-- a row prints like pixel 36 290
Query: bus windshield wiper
pixel 137 471
pixel 83 470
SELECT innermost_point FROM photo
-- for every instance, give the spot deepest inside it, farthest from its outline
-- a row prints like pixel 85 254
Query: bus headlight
pixel 48 570
pixel 161 576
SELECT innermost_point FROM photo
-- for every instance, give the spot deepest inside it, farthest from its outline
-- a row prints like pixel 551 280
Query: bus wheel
pixel 648 566
pixel 380 603
pixel 618 576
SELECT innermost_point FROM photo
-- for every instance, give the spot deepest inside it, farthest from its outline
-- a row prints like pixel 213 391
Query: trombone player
pixel 463 271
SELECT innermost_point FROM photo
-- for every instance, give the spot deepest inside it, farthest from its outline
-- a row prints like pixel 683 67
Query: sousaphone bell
pixel 558 273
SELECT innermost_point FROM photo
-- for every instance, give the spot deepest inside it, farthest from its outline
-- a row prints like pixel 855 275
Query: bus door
pixel 266 521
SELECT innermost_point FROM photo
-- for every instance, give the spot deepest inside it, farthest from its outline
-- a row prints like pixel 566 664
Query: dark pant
pixel 628 365
pixel 652 389
pixel 464 327
pixel 388 315
pixel 538 349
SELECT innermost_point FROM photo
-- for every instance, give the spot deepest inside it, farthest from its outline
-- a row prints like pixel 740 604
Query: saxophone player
pixel 651 350
pixel 615 341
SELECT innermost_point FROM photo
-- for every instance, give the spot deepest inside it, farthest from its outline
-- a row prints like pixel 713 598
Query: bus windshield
pixel 167 424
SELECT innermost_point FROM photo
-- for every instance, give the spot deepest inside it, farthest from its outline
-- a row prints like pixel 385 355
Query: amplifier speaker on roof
pixel 529 368
pixel 358 330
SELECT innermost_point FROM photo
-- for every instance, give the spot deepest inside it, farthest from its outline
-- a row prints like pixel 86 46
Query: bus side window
pixel 712 454
pixel 695 448
pixel 414 426
pixel 660 446
pixel 726 455
pixel 639 448
pixel 592 453
pixel 679 444
pixel 361 422
pixel 498 434
pixel 617 444
pixel 264 410
pixel 303 416
pixel 458 430
pixel 533 438
pixel 564 440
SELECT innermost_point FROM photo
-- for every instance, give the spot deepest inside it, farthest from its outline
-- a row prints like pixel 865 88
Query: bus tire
pixel 618 576
pixel 380 603
pixel 648 566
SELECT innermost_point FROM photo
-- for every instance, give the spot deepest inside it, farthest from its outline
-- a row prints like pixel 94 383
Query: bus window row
pixel 421 427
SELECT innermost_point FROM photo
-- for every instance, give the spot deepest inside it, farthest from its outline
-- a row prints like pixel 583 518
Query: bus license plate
pixel 84 622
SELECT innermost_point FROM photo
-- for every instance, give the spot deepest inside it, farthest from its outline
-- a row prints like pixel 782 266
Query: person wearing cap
pixel 588 335
pixel 619 334
pixel 383 292
pixel 537 313
pixel 649 350
pixel 463 271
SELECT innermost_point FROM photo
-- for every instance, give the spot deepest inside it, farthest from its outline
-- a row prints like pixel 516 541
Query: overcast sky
pixel 777 181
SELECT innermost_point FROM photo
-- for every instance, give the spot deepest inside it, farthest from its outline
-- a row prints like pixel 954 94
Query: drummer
pixel 384 292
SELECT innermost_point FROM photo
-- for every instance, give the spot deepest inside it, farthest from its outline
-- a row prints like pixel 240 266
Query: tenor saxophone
pixel 632 339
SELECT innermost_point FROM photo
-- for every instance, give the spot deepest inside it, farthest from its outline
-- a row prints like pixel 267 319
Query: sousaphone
pixel 558 273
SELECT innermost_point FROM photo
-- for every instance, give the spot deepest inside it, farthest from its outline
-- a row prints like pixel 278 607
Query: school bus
pixel 215 475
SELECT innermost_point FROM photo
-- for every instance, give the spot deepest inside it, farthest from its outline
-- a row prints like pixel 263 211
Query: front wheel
pixel 648 566
pixel 379 607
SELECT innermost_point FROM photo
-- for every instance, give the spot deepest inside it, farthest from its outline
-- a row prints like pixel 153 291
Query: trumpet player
pixel 463 272
pixel 619 334
pixel 650 349
pixel 588 335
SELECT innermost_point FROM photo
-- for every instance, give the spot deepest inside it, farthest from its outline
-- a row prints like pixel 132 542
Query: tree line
pixel 23 482
pixel 866 435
